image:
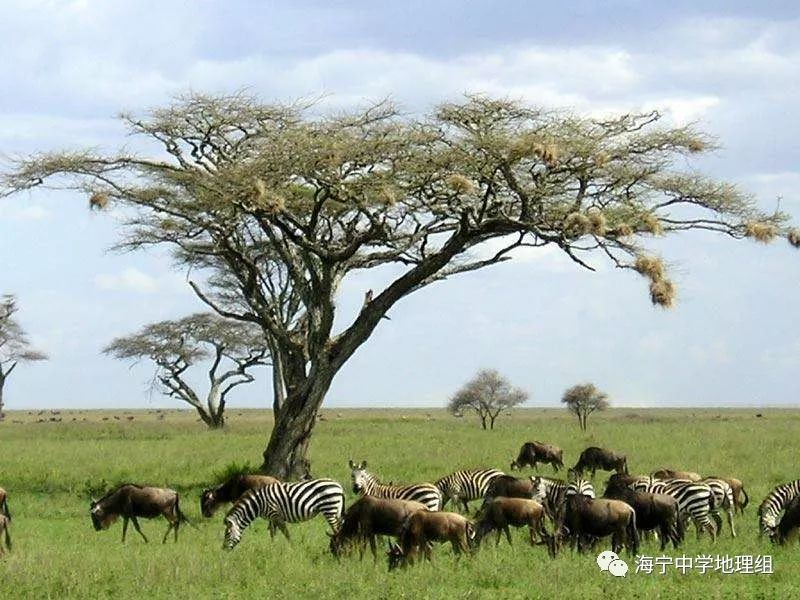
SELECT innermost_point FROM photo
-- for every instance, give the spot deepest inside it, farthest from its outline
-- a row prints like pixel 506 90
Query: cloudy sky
pixel 69 67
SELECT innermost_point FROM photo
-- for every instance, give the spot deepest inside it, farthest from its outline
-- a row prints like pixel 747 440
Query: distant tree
pixel 487 394
pixel 14 345
pixel 584 399
pixel 233 347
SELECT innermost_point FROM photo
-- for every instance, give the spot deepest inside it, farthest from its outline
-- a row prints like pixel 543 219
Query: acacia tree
pixel 584 399
pixel 487 394
pixel 14 345
pixel 277 206
pixel 232 347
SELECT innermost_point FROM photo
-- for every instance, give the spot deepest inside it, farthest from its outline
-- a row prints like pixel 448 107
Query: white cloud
pixel 130 279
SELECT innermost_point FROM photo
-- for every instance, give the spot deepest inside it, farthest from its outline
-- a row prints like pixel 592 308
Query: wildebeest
pixel 740 497
pixel 130 501
pixel 4 504
pixel 676 474
pixel 510 487
pixel 231 490
pixel 594 458
pixel 424 527
pixel 788 526
pixel 5 524
pixel 653 511
pixel 501 512
pixel 369 517
pixel 586 520
pixel 532 453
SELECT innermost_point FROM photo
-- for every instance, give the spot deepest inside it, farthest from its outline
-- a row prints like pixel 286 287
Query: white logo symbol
pixel 609 561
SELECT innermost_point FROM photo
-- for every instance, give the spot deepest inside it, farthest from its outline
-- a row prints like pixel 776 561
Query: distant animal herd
pixel 632 506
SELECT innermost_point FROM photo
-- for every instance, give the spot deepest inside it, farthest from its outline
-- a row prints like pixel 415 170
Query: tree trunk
pixel 216 408
pixel 491 424
pixel 483 422
pixel 2 406
pixel 285 455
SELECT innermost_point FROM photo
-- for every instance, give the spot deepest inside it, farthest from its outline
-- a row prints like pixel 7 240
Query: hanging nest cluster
pixel 696 145
pixel 387 195
pixel 651 224
pixel 533 145
pixel 576 224
pixel 98 201
pixel 601 159
pixel 623 230
pixel 597 223
pixel 264 199
pixel 460 184
pixel 761 231
pixel 662 290
pixel 794 237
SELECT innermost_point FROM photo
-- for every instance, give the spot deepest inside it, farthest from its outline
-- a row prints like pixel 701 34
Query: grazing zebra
pixel 283 503
pixel 465 486
pixel 723 499
pixel 695 500
pixel 774 503
pixel 552 493
pixel 367 484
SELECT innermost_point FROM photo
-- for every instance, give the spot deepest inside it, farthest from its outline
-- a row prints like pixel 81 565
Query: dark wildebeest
pixel 675 474
pixel 231 491
pixel 422 528
pixel 4 504
pixel 533 453
pixel 5 524
pixel 788 526
pixel 594 458
pixel 653 511
pixel 130 501
pixel 501 512
pixel 510 487
pixel 369 517
pixel 586 520
pixel 740 497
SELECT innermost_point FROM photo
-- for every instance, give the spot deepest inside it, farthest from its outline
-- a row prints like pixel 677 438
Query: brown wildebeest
pixel 532 453
pixel 501 512
pixel 5 524
pixel 675 474
pixel 585 520
pixel 510 487
pixel 422 528
pixel 4 504
pixel 130 501
pixel 594 458
pixel 788 526
pixel 231 490
pixel 369 517
pixel 653 511
pixel 740 497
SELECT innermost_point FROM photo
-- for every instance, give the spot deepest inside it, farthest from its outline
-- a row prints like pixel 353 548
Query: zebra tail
pixel 746 498
pixel 633 534
pixel 6 512
pixel 712 502
pixel 8 538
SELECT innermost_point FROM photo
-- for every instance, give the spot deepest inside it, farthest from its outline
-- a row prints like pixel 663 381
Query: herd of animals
pixel 661 503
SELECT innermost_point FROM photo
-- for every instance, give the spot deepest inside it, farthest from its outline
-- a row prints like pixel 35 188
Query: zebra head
pixel 539 488
pixel 233 534
pixel 361 478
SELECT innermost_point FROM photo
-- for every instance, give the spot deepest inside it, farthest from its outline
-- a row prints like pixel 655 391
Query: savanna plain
pixel 52 468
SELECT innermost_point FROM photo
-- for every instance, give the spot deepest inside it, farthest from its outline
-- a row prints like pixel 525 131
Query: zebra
pixel 367 484
pixel 465 486
pixel 773 504
pixel 695 500
pixel 553 492
pixel 723 499
pixel 285 502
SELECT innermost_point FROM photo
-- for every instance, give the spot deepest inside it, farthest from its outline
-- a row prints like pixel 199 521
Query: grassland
pixel 50 468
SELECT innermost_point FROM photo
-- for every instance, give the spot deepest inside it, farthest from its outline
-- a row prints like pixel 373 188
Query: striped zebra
pixel 695 500
pixel 552 493
pixel 465 486
pixel 723 499
pixel 282 503
pixel 770 509
pixel 367 484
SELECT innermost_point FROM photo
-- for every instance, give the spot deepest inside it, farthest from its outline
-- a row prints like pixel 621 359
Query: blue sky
pixel 69 67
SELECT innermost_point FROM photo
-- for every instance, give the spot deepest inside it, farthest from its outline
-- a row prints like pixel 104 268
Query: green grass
pixel 50 469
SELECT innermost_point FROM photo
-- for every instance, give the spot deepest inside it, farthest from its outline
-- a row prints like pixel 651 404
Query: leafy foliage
pixel 487 394
pixel 584 399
